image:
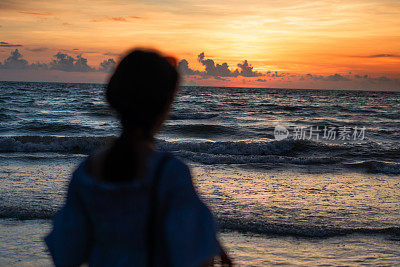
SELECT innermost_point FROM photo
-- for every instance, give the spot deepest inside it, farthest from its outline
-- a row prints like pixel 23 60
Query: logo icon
pixel 280 133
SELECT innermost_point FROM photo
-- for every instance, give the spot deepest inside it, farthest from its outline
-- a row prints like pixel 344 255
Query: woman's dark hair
pixel 141 91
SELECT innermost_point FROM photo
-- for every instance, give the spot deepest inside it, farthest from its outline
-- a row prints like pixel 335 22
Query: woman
pixel 130 205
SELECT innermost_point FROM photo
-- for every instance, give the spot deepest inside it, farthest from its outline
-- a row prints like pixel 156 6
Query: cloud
pixel 361 77
pixel 184 68
pixel 38 65
pixel 374 80
pixel 11 4
pixel 247 70
pixel 357 77
pixel 335 78
pixel 378 56
pixel 39 49
pixel 15 61
pixel 110 54
pixel 81 65
pixel 117 19
pixel 66 62
pixel 5 44
pixel 41 14
pixel 383 79
pixel 383 55
pixel 107 65
pixel 70 61
pixel 218 70
pixel 61 61
pixel 276 74
pixel 330 78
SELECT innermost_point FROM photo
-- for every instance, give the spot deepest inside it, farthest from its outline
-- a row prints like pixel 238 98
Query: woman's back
pixel 107 224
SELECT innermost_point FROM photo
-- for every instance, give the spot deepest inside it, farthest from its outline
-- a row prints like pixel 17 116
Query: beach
pixel 305 199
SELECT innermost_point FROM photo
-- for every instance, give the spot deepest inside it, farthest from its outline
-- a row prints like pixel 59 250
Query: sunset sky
pixel 291 44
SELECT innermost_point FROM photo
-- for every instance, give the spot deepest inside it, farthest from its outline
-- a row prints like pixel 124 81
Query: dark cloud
pixel 383 55
pixel 330 78
pixel 357 77
pixel 66 62
pixel 336 77
pixel 184 68
pixel 261 80
pixel 15 61
pixel 219 70
pixel 246 70
pixel 107 65
pixel 111 54
pixel 5 44
pixel 77 50
pixel 39 49
pixel 381 79
pixel 378 56
pixel 216 70
pixel 276 74
pixel 361 77
pixel 38 65
pixel 81 65
pixel 61 61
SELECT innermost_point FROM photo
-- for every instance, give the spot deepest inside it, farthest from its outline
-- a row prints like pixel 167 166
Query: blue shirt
pixel 106 224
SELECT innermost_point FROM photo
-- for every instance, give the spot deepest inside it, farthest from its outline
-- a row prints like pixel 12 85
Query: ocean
pixel 294 177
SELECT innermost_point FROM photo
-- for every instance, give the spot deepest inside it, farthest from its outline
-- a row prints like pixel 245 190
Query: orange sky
pixel 332 40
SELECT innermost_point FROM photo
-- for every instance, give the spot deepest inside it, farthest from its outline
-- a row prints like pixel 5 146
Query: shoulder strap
pixel 153 209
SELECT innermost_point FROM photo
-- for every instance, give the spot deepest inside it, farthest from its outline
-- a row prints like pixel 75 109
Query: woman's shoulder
pixel 175 172
pixel 88 171
pixel 174 167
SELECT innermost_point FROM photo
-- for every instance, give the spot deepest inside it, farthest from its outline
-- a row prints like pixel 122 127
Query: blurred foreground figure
pixel 129 204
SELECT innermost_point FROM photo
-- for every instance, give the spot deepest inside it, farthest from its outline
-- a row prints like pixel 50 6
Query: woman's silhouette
pixel 131 205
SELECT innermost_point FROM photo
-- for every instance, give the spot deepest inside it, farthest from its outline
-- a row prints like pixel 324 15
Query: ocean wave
pixel 21 213
pixel 231 147
pixel 268 106
pixel 192 116
pixel 256 159
pixel 245 225
pixel 51 127
pixel 87 144
pixel 374 166
pixel 52 143
pixel 288 151
pixel 282 229
pixel 201 129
